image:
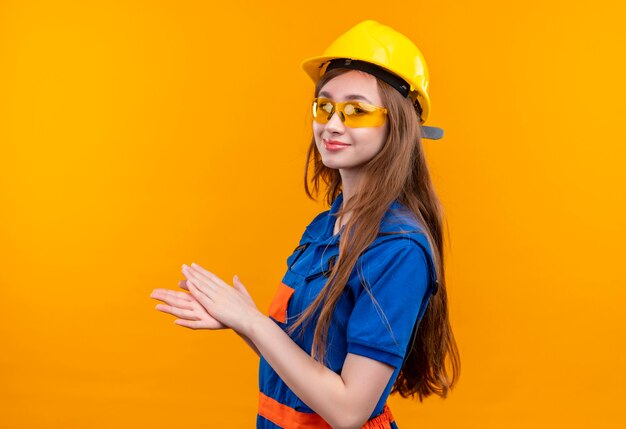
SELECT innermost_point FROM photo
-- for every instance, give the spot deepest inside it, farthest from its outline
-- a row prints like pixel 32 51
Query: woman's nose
pixel 335 124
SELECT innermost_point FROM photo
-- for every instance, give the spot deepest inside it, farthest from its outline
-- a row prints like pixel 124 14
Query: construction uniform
pixel 399 271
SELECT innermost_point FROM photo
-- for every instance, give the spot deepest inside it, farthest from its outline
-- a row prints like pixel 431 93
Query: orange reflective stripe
pixel 278 307
pixel 288 418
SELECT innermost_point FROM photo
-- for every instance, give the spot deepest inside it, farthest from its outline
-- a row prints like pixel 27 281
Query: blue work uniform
pixel 399 270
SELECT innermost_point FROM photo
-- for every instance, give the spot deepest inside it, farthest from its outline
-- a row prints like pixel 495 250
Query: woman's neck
pixel 349 181
pixel 348 187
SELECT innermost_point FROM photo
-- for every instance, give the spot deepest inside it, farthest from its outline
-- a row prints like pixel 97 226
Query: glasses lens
pixel 363 115
pixel 353 114
pixel 322 109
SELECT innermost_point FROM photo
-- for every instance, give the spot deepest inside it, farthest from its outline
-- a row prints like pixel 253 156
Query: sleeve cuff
pixel 376 354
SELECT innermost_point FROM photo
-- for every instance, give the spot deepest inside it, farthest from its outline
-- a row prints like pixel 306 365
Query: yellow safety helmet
pixel 383 52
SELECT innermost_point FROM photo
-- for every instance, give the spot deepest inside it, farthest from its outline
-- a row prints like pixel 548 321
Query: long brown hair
pixel 398 172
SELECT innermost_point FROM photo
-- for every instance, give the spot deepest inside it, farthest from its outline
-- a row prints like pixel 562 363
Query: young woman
pixel 362 309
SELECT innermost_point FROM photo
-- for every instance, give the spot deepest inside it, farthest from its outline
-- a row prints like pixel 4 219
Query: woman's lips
pixel 334 145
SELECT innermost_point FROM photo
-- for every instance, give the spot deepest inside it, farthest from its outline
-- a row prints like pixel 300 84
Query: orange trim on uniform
pixel 381 421
pixel 288 418
pixel 278 307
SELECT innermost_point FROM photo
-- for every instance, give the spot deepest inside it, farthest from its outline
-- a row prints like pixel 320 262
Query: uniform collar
pixel 394 212
pixel 324 230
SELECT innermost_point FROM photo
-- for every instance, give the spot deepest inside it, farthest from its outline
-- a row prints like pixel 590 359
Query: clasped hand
pixel 210 304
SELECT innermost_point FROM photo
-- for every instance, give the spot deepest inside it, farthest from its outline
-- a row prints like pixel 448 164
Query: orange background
pixel 138 136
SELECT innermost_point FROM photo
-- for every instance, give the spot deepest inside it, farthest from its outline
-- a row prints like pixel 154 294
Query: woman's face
pixel 359 144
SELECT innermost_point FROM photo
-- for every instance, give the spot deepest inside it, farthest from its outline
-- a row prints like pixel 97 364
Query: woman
pixel 362 310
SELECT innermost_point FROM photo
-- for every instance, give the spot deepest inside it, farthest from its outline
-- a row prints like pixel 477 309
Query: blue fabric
pixel 399 271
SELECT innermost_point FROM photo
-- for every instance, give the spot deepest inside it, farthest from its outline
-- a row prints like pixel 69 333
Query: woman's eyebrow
pixel 348 97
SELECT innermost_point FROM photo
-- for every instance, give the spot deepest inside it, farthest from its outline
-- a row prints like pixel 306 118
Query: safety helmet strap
pixel 395 81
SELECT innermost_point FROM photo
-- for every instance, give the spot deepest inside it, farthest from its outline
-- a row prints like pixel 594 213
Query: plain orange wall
pixel 138 136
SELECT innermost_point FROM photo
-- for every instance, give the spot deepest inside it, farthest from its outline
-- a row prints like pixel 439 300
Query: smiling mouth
pixel 331 145
pixel 335 143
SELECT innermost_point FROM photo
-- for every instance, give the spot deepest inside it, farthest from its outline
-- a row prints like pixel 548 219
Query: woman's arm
pixel 344 401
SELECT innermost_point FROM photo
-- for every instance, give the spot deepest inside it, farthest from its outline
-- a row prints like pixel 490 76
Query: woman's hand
pixel 190 313
pixel 231 306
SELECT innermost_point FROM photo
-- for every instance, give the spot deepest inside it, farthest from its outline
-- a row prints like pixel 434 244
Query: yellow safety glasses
pixel 353 114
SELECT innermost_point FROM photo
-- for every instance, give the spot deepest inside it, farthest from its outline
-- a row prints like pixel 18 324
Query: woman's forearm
pixel 319 387
pixel 344 401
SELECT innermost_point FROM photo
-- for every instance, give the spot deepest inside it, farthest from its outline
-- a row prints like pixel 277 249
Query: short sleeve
pixel 382 329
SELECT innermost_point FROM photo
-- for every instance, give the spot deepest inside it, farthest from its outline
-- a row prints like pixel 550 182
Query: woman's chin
pixel 332 164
